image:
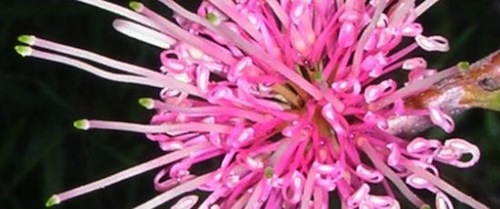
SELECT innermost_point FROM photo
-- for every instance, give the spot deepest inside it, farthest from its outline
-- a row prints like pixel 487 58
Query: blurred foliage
pixel 41 153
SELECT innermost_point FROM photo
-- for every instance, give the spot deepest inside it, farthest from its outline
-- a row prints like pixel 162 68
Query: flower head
pixel 296 98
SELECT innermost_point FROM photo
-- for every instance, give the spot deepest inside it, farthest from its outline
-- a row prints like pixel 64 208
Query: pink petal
pixel 357 197
pixel 424 146
pixel 382 202
pixel 442 201
pixel 293 187
pixel 441 119
pixel 347 34
pixel 459 148
pixel 414 63
pixel 419 183
pixel 369 175
pixel 418 74
pixel 186 202
pixel 374 92
pixel 432 43
pixel 394 156
pixel 412 30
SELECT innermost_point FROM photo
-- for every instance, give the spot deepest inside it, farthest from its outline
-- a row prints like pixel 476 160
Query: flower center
pixel 297 101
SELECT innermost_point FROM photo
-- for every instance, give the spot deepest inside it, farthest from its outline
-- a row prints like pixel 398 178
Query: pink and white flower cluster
pixel 295 96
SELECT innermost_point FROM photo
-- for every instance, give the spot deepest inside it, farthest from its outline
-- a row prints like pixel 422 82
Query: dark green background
pixel 41 153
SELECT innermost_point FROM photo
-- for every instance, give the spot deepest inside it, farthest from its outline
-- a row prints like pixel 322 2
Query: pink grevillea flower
pixel 289 94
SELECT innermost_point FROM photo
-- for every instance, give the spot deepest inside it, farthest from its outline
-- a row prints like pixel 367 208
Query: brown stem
pixel 478 86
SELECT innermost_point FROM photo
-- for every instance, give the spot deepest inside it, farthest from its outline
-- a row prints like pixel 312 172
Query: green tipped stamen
pixel 54 200
pixel 136 6
pixel 146 102
pixel 27 39
pixel 82 124
pixel 212 18
pixel 268 172
pixel 463 66
pixel 23 50
pixel 425 207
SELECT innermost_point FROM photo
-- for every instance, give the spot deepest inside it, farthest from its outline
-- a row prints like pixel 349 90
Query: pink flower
pixel 289 93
